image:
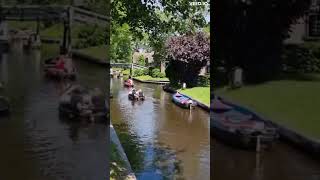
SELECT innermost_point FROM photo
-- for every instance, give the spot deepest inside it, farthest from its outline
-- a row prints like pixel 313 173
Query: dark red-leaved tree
pixel 187 54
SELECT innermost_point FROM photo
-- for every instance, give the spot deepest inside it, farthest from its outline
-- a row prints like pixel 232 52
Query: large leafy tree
pixel 250 34
pixel 159 19
pixel 187 55
pixel 121 45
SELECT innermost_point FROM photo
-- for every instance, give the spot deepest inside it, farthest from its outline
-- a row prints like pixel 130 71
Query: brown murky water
pixel 35 143
pixel 162 141
pixel 282 162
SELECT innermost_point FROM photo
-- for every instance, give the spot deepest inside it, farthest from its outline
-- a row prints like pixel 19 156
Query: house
pixel 148 56
pixel 308 27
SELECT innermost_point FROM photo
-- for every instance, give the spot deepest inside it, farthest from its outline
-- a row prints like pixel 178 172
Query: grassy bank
pixel 201 94
pixel 149 78
pixel 99 52
pixel 292 102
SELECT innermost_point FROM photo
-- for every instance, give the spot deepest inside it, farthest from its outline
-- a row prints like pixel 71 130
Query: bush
pixel 126 72
pixel 138 72
pixel 161 75
pixel 146 72
pixel 155 73
pixel 204 81
pixel 297 58
pixel 90 36
pixel 141 60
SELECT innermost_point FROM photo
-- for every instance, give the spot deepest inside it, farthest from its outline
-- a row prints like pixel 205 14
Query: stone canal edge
pixel 304 143
pixel 114 138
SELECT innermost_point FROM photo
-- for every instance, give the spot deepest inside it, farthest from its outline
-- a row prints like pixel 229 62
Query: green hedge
pixel 301 58
pixel 204 81
pixel 155 73
pixel 138 72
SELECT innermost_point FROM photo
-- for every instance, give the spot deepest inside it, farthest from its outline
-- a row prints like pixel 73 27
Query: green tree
pixel 141 60
pixel 121 46
pixel 250 34
pixel 159 19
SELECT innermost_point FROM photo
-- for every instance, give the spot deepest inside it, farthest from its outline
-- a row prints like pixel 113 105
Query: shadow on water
pixel 282 162
pixel 35 143
pixel 161 140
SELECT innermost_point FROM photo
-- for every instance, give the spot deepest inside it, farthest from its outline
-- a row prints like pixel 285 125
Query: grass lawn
pixel 294 103
pixel 149 78
pixel 22 25
pixel 99 52
pixel 201 94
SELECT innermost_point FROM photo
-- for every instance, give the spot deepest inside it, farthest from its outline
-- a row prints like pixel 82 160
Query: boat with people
pixel 111 73
pixel 60 67
pixel 136 95
pixel 78 103
pixel 182 100
pixel 240 127
pixel 128 83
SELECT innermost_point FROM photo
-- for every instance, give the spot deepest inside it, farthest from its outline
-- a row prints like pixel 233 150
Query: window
pixel 314 25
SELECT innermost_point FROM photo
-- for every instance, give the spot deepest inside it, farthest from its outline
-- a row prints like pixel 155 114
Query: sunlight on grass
pixel 149 78
pixel 293 103
pixel 201 94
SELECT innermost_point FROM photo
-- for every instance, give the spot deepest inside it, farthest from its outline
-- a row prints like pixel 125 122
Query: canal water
pixel 282 162
pixel 35 143
pixel 161 140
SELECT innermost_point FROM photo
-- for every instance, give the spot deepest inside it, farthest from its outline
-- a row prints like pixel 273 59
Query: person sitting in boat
pixel 140 93
pixel 130 81
pixel 134 91
pixel 60 64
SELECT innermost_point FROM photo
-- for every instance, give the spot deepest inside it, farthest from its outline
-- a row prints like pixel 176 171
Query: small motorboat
pixel 79 103
pixel 240 127
pixel 136 95
pixel 182 100
pixel 52 71
pixel 128 83
pixel 4 106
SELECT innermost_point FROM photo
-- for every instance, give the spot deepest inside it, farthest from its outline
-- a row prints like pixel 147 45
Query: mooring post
pixel 258 145
pixel 37 39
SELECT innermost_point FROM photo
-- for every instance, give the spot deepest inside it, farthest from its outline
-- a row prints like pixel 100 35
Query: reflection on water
pixel 35 143
pixel 162 141
pixel 282 162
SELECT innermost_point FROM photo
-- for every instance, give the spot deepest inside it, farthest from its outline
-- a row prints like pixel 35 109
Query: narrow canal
pixel 35 143
pixel 282 162
pixel 161 140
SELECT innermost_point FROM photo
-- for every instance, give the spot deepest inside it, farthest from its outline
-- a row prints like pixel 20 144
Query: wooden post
pixel 258 145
